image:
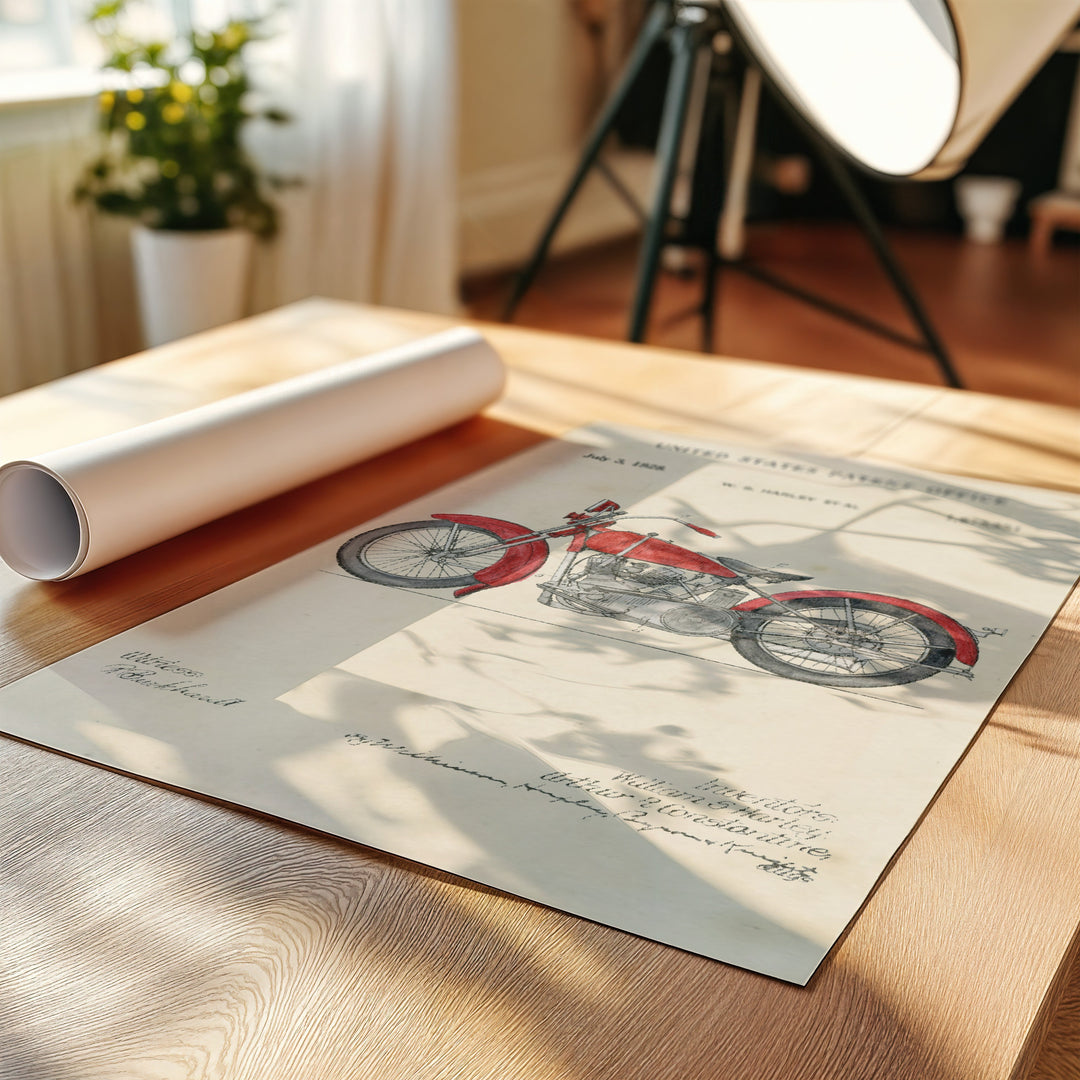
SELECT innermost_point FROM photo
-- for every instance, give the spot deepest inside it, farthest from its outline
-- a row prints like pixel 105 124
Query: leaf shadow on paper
pixel 480 755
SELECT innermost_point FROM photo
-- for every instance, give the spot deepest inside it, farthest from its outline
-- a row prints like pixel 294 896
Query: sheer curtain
pixel 372 86
pixel 34 293
pixel 373 145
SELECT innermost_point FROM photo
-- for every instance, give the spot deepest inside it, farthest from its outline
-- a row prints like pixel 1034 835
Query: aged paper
pixel 695 692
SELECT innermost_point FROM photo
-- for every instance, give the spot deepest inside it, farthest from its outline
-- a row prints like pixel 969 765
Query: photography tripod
pixel 690 27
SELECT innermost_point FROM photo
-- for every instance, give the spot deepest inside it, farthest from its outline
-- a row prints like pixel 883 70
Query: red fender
pixel 967 648
pixel 517 561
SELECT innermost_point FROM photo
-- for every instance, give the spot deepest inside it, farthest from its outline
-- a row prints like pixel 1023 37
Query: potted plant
pixel 172 158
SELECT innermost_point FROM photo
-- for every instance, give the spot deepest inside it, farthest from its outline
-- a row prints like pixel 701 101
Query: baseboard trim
pixel 503 209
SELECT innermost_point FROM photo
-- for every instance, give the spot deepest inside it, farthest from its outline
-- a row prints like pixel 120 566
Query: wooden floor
pixel 1010 320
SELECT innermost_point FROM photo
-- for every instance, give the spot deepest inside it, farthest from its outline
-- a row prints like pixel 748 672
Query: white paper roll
pixel 69 511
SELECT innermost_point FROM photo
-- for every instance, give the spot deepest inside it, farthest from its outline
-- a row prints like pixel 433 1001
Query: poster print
pixel 695 692
pixel 826 636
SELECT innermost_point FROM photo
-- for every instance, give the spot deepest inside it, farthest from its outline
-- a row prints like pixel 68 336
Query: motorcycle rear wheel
pixel 421 554
pixel 843 641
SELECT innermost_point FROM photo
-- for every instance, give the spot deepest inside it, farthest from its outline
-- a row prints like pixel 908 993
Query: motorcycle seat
pixel 773 577
pixel 770 577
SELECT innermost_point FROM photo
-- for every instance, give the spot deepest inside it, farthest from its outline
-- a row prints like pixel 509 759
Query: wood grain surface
pixel 149 934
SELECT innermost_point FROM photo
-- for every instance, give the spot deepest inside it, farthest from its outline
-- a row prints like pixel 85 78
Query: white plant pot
pixel 986 203
pixel 189 281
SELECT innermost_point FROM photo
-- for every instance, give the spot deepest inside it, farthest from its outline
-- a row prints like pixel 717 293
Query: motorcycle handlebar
pixel 642 517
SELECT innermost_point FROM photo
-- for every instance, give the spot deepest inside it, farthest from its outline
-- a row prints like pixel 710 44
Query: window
pixel 36 34
pixel 47 51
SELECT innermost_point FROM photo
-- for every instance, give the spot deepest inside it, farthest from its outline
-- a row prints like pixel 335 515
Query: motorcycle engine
pixel 666 597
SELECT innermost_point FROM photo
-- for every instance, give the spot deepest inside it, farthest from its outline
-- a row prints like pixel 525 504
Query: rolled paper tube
pixel 69 511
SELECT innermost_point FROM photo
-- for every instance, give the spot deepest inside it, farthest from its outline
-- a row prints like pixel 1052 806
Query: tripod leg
pixel 728 202
pixel 682 194
pixel 869 223
pixel 709 301
pixel 654 28
pixel 731 233
pixel 686 38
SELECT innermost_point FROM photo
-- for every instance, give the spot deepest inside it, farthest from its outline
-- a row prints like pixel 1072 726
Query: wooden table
pixel 149 934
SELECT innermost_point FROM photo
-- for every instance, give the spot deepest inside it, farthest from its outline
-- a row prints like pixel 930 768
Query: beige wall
pixel 526 95
pixel 524 71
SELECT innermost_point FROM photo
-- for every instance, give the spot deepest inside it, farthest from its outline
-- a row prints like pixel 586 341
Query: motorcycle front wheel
pixel 843 641
pixel 421 554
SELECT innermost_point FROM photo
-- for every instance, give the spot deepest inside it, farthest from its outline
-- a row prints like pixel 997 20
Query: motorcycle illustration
pixel 824 636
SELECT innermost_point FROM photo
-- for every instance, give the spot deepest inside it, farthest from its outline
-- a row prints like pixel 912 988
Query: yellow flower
pixel 233 36
pixel 170 168
pixel 135 121
pixel 106 100
pixel 181 91
pixel 172 113
pixel 135 96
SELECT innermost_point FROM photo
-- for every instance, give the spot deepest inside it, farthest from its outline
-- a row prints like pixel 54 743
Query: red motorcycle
pixel 824 636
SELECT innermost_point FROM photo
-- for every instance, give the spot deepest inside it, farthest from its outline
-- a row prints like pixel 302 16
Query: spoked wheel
pixel 843 641
pixel 421 554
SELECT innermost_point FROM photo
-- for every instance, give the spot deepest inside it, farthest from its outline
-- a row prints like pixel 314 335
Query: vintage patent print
pixel 696 692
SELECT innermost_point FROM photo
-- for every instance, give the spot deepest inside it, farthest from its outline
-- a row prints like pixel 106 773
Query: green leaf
pixel 208 180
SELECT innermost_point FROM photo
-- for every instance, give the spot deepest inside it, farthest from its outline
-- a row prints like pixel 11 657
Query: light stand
pixel 690 27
